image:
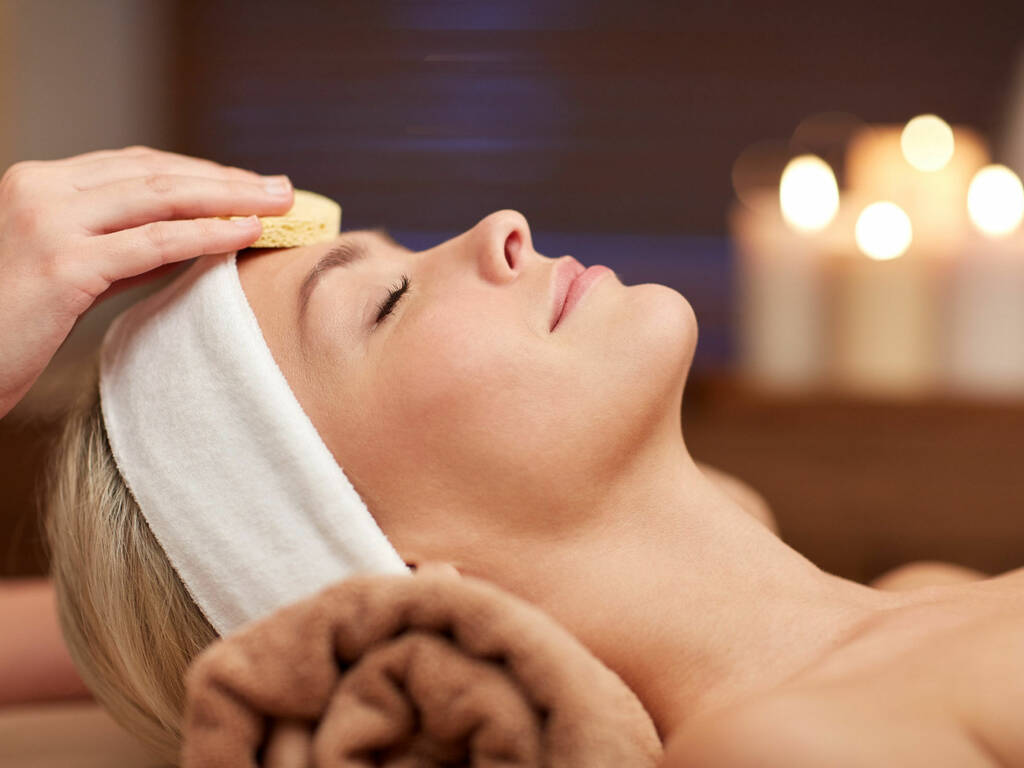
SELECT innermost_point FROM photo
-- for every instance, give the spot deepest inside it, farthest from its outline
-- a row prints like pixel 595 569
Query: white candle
pixel 986 294
pixel 886 329
pixel 986 317
pixel 782 297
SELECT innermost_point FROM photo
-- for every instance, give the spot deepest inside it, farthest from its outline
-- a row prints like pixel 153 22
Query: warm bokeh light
pixel 927 143
pixel 995 200
pixel 808 193
pixel 756 172
pixel 883 231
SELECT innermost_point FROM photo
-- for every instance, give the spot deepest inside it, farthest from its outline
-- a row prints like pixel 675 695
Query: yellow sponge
pixel 312 219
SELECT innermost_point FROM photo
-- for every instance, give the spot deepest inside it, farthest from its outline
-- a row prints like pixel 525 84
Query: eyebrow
pixel 353 247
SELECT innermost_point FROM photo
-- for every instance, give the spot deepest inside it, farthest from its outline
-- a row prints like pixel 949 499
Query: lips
pixel 567 270
pixel 578 286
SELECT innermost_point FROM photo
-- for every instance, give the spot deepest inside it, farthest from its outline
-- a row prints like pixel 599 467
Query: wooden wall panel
pixel 860 486
pixel 587 115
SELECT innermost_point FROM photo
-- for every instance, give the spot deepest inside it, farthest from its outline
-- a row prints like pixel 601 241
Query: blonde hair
pixel 128 621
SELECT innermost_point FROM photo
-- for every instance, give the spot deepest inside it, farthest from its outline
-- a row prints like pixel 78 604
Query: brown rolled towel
pixel 432 669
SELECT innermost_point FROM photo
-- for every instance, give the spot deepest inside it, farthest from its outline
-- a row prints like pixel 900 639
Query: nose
pixel 503 244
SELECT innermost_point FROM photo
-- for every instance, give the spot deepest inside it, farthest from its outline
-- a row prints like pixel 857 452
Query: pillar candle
pixel 887 334
pixel 985 322
pixel 781 297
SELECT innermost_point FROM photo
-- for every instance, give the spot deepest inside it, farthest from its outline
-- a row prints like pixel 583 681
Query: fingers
pixel 111 168
pixel 135 281
pixel 136 201
pixel 135 149
pixel 133 251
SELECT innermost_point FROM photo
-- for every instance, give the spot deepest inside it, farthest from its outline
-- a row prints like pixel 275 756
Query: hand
pixel 76 230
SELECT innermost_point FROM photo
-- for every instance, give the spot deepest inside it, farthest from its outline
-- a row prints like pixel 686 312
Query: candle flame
pixel 995 200
pixel 927 143
pixel 883 231
pixel 808 193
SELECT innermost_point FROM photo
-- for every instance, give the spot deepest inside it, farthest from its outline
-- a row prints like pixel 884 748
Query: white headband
pixel 235 482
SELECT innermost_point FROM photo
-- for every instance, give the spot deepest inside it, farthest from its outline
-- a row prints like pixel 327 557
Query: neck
pixel 689 599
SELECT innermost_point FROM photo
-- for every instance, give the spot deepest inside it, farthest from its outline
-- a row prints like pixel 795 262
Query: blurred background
pixel 651 137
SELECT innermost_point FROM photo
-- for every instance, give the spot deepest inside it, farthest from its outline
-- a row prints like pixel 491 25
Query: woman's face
pixel 461 416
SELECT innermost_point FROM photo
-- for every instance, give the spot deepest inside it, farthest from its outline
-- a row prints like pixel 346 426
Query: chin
pixel 664 328
pixel 655 336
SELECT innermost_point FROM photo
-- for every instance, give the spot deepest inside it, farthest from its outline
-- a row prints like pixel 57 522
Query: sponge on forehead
pixel 312 219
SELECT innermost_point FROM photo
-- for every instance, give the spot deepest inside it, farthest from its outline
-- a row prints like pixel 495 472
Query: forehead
pixel 273 278
pixel 284 270
pixel 281 262
pixel 347 250
pixel 270 279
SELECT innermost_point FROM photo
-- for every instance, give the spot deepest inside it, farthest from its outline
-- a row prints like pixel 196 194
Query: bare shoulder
pixel 988 684
pixel 939 687
pixel 805 731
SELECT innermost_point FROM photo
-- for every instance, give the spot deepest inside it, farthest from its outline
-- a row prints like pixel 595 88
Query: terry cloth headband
pixel 232 477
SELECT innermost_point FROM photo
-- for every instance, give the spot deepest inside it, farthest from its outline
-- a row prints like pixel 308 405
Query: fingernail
pixel 247 222
pixel 277 185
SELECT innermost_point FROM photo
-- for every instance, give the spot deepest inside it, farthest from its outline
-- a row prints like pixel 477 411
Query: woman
pixel 489 406
pixel 491 430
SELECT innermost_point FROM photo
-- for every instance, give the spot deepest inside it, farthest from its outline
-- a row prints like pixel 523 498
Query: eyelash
pixel 393 297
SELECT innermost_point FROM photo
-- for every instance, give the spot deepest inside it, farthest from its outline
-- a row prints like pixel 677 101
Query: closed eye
pixel 393 298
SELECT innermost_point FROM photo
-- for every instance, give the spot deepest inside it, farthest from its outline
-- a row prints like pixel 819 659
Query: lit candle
pixel 923 167
pixel 887 293
pixel 986 298
pixel 782 307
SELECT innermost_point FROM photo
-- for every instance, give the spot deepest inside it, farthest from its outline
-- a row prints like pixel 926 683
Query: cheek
pixel 459 398
pixel 445 377
pixel 479 393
